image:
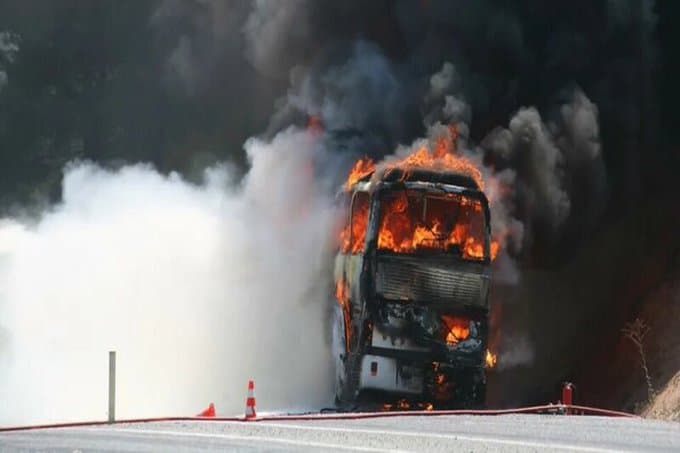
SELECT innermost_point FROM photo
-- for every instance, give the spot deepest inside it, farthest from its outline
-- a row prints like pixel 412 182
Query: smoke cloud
pixel 515 351
pixel 8 50
pixel 201 34
pixel 277 35
pixel 197 287
pixel 553 103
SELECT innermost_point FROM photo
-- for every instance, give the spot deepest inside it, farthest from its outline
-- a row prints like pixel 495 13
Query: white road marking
pixel 491 440
pixel 303 443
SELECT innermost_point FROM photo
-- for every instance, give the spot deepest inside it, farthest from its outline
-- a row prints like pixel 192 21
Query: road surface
pixel 504 433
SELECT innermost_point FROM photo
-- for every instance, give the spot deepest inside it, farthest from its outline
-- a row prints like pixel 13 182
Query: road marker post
pixel 112 386
pixel 250 402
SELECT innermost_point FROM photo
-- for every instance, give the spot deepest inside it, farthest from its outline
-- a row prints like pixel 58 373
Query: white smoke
pixel 515 351
pixel 197 287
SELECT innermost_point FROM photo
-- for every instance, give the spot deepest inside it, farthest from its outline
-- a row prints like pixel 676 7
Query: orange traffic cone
pixel 209 412
pixel 250 402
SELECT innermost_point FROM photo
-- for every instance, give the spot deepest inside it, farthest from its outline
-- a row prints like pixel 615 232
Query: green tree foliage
pixel 89 81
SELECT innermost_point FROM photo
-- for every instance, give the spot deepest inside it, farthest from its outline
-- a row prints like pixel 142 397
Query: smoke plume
pixel 197 287
pixel 8 50
pixel 202 286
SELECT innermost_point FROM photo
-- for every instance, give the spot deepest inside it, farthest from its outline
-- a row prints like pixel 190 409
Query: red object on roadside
pixel 209 412
pixel 544 409
pixel 568 395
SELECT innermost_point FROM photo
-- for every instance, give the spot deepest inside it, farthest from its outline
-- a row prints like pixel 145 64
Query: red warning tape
pixel 117 422
pixel 546 409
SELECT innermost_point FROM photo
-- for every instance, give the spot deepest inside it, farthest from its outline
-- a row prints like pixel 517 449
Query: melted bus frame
pixel 392 333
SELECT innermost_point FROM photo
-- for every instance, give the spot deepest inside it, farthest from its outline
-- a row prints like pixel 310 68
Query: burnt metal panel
pixel 431 281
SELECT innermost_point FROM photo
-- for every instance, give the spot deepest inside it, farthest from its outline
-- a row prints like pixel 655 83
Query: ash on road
pixel 407 433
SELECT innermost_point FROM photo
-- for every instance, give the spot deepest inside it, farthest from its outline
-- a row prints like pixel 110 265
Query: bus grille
pixel 422 281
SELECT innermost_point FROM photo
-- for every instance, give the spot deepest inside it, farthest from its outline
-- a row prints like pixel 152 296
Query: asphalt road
pixel 431 434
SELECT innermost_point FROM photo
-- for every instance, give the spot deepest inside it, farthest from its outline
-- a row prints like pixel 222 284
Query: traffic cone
pixel 209 412
pixel 250 402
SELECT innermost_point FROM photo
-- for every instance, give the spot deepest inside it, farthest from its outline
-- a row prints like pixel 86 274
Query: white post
pixel 112 386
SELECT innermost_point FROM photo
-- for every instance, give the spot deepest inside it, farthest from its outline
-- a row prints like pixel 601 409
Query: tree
pixel 636 332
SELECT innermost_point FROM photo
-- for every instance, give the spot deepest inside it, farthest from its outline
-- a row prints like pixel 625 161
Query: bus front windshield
pixel 417 221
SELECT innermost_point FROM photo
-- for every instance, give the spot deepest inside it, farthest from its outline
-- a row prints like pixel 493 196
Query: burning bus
pixel 412 278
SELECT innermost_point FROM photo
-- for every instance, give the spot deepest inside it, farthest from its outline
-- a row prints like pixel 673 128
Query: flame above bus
pixel 399 231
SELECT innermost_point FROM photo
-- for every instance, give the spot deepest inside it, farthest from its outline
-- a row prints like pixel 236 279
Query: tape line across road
pixel 551 408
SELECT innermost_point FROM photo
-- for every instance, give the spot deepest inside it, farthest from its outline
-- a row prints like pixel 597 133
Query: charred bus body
pixel 412 280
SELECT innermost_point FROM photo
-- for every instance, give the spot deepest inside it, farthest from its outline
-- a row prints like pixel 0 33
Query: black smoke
pixel 167 80
pixel 365 69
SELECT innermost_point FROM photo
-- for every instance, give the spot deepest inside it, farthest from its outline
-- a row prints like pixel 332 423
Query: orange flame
pixel 491 359
pixel 442 157
pixel 315 124
pixel 495 249
pixel 403 405
pixel 396 230
pixel 343 299
pixel 353 236
pixel 364 167
pixel 459 329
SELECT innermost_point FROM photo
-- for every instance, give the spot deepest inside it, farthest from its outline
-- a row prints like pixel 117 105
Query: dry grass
pixel 666 405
